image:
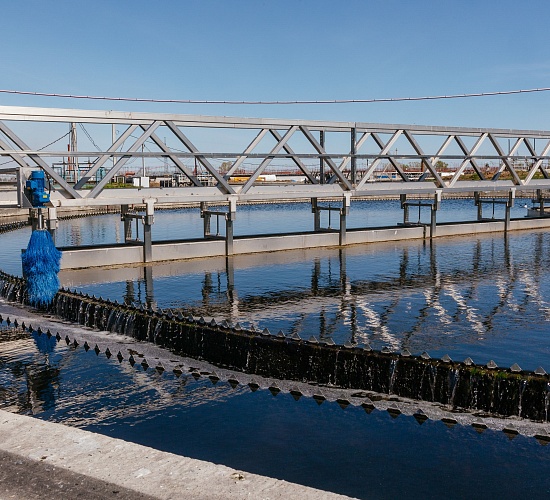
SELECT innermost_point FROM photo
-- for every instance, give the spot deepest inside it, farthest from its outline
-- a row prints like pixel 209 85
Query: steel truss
pixel 371 149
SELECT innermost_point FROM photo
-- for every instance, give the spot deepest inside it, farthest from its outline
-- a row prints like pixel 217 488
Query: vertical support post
pixel 33 219
pixel 344 211
pixel 316 215
pixel 52 222
pixel 322 160
pixel 20 179
pixel 479 206
pixel 229 218
pixel 206 219
pixel 405 207
pixel 147 225
pixel 509 205
pixel 127 223
pixel 342 238
pixel 434 208
pixel 228 235
pixel 353 159
pixel 540 199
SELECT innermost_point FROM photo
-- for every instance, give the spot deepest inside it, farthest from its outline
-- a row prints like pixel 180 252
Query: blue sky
pixel 285 50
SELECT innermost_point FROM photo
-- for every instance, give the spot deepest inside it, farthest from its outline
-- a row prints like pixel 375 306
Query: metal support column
pixel 434 209
pixel 148 221
pixel 508 206
pixel 540 199
pixel 405 207
pixel 353 159
pixel 205 215
pixel 479 206
pixel 52 222
pixel 344 211
pixel 316 215
pixel 124 209
pixel 33 218
pixel 228 235
pixel 229 218
pixel 322 160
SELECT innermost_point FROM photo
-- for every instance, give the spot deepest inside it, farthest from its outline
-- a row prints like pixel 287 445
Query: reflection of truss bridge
pixel 438 297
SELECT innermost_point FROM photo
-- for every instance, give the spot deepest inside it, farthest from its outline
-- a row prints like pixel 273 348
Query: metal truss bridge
pixel 225 160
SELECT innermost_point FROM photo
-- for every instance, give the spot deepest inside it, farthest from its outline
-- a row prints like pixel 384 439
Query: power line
pixel 286 102
pixel 89 136
pixel 43 147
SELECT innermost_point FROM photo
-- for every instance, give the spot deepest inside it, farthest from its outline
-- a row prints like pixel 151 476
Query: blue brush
pixel 40 267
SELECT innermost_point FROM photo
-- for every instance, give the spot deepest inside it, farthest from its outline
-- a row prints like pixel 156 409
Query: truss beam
pixel 360 158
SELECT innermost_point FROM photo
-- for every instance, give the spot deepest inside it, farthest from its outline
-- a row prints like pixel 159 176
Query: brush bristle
pixel 40 267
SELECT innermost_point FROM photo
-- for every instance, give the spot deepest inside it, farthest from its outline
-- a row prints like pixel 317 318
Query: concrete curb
pixel 119 468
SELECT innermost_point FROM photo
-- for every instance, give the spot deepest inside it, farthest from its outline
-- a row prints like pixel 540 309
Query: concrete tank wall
pixel 76 258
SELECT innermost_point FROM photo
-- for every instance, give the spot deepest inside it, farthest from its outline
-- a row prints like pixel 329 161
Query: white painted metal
pixel 343 181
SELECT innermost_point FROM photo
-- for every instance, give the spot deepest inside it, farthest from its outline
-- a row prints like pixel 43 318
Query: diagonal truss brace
pixel 37 160
pixel 177 162
pixel 505 161
pixel 321 150
pixel 348 158
pixel 538 163
pixel 239 161
pixel 222 183
pixel 428 162
pixel 102 159
pixel 280 144
pixel 122 161
pixel 384 150
pixel 467 160
pixel 295 158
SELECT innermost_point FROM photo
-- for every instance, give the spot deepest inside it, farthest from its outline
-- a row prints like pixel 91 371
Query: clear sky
pixel 285 50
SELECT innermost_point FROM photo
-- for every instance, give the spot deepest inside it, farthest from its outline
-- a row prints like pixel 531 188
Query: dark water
pixel 347 451
pixel 484 297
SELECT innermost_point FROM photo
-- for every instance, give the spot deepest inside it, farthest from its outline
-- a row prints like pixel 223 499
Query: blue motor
pixel 35 189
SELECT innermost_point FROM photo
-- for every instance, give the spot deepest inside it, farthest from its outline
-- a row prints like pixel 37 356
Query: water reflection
pixel 456 295
pixel 325 446
pixel 30 365
pixel 40 376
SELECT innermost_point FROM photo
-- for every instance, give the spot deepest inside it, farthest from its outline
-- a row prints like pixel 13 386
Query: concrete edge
pixel 138 468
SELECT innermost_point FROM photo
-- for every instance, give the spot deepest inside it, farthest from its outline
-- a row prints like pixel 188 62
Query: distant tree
pixel 225 166
pixel 441 165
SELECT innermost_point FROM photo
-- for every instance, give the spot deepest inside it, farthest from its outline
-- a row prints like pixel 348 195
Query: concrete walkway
pixel 43 460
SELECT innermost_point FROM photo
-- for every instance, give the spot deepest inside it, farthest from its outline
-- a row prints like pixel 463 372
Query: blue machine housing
pixel 35 189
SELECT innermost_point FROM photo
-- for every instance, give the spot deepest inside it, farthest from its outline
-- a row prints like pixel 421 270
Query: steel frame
pixel 344 176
